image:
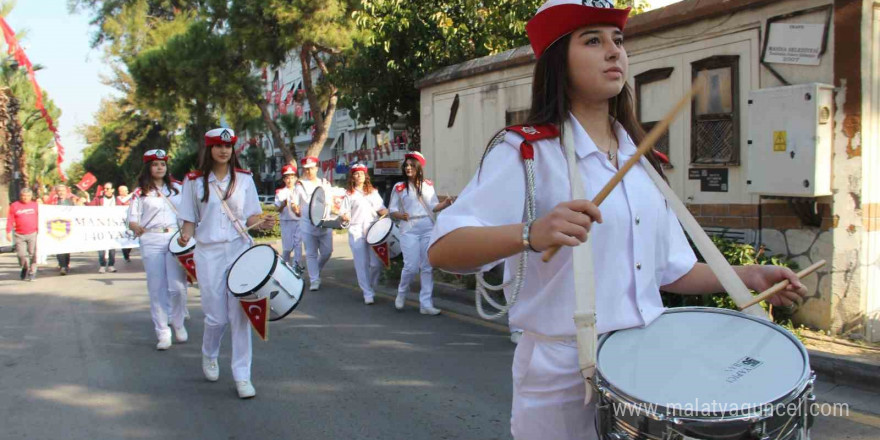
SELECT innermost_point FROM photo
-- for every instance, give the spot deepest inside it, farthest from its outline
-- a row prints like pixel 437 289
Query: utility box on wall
pixel 789 140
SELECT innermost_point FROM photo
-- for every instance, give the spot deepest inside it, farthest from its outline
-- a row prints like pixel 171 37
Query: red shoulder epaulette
pixel 429 182
pixel 193 175
pixel 278 190
pixel 239 170
pixel 173 180
pixel 661 157
pixel 136 192
pixel 532 133
pixel 400 186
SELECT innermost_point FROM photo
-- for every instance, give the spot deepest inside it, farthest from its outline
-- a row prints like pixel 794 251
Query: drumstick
pixel 781 285
pixel 646 145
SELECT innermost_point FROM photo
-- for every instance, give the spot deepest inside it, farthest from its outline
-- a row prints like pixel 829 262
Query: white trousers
pixel 221 308
pixel 319 247
pixel 166 283
pixel 367 265
pixel 414 245
pixel 291 241
pixel 549 392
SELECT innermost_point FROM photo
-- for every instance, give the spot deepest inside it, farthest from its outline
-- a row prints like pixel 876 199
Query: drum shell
pixel 616 418
pixel 283 285
pixel 392 237
pixel 330 218
pixel 185 256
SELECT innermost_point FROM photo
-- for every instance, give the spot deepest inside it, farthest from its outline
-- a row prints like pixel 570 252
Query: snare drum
pixel 324 208
pixel 184 255
pixel 703 373
pixel 382 231
pixel 258 273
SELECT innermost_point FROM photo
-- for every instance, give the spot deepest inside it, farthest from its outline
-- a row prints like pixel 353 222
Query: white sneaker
pixel 111 269
pixel 210 368
pixel 315 285
pixel 245 389
pixel 429 311
pixel 164 343
pixel 102 269
pixel 515 337
pixel 399 302
pixel 369 301
pixel 180 334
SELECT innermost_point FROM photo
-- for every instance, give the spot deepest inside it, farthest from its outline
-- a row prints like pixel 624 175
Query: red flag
pixel 381 251
pixel 257 312
pixel 87 181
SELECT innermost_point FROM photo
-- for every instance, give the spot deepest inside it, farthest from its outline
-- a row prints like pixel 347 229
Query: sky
pixel 59 41
pixel 71 74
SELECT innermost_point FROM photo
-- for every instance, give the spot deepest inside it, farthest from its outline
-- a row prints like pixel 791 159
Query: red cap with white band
pixel 309 162
pixel 152 155
pixel 358 167
pixel 415 155
pixel 558 18
pixel 288 169
pixel 220 136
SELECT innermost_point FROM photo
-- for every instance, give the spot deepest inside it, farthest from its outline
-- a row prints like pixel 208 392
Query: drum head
pixel 379 231
pixel 175 248
pixel 251 270
pixel 691 357
pixel 317 206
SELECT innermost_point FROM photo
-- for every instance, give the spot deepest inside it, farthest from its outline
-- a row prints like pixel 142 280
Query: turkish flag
pixel 87 181
pixel 257 312
pixel 381 251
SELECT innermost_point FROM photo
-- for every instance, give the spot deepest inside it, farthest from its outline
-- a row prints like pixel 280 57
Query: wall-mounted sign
pixel 387 168
pixel 792 43
pixel 711 179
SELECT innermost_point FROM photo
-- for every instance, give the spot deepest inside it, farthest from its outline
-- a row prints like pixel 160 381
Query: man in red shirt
pixel 23 220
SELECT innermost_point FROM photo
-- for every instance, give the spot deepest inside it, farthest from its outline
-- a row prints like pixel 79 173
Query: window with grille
pixel 715 113
pixel 515 117
pixel 653 92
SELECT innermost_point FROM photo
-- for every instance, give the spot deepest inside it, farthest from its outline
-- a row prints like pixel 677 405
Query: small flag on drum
pixel 381 251
pixel 257 312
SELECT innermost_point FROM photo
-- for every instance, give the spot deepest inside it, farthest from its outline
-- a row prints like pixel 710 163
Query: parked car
pixel 266 199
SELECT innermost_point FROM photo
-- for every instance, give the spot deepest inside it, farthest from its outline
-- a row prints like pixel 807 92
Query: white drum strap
pixel 429 213
pixel 170 205
pixel 716 261
pixel 584 279
pixel 235 223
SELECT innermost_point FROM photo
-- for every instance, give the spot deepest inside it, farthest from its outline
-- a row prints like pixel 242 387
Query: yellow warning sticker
pixel 779 141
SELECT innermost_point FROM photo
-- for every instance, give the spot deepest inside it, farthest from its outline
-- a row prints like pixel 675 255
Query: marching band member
pixel 217 203
pixel 579 84
pixel 318 241
pixel 361 207
pixel 414 204
pixel 285 201
pixel 152 215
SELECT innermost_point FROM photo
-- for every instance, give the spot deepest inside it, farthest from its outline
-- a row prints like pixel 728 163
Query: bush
pixel 270 212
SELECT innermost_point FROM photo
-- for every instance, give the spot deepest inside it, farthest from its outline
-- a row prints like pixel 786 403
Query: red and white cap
pixel 558 18
pixel 220 136
pixel 309 162
pixel 288 169
pixel 151 155
pixel 358 167
pixel 415 155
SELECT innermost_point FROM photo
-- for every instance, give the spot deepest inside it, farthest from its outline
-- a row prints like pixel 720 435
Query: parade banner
pixel 72 229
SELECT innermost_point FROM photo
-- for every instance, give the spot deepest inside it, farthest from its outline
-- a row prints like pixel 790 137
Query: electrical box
pixel 789 140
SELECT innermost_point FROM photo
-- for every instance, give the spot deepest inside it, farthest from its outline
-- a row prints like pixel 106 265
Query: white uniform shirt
pixel 404 198
pixel 639 247
pixel 362 208
pixel 152 211
pixel 304 190
pixel 212 225
pixel 290 196
pixel 108 201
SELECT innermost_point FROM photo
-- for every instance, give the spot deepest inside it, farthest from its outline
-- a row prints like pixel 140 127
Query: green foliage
pixel 269 211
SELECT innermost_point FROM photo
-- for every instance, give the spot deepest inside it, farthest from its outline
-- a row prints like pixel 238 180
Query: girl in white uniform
pixel 218 243
pixel 289 213
pixel 318 241
pixel 361 207
pixel 152 216
pixel 414 203
pixel 637 242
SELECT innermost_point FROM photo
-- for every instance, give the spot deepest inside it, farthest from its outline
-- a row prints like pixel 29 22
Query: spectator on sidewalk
pixel 63 197
pixel 107 197
pixel 124 199
pixel 23 221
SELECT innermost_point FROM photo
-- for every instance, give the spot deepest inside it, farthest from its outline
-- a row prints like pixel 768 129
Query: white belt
pixel 547 338
pixel 416 217
pixel 159 230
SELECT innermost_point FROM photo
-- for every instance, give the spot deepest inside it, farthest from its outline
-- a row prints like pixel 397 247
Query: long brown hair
pixel 551 104
pixel 368 185
pixel 417 179
pixel 206 166
pixel 145 179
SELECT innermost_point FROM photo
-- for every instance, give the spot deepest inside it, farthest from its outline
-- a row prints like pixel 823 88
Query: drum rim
pixel 612 392
pixel 183 251
pixel 265 279
pixel 302 293
pixel 386 234
pixel 312 206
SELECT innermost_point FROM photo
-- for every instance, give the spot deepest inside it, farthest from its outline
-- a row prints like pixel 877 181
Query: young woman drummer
pixel 361 207
pixel 152 216
pixel 414 203
pixel 217 203
pixel 579 85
